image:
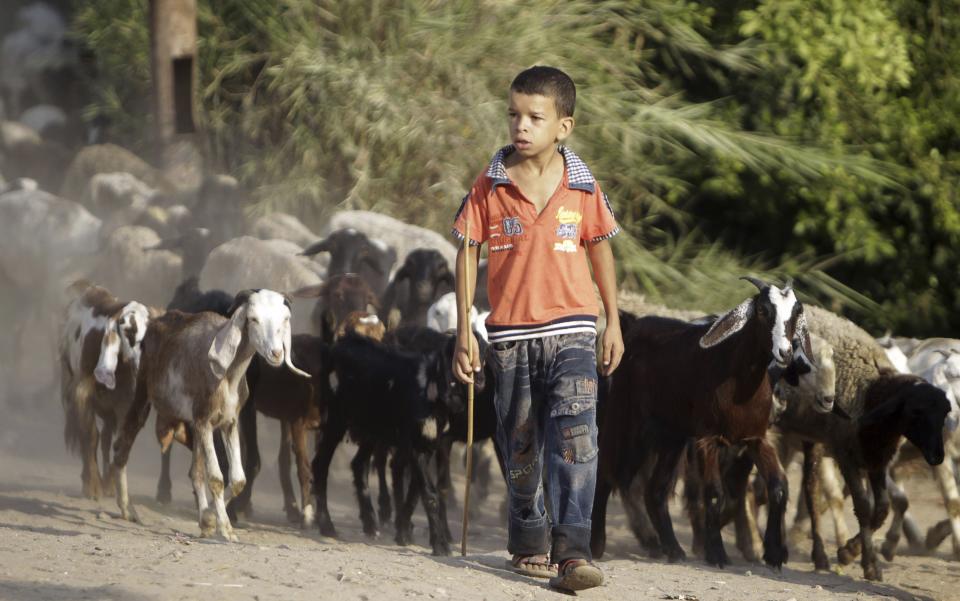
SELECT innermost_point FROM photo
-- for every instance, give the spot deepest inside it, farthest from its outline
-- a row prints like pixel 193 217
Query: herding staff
pixel 466 311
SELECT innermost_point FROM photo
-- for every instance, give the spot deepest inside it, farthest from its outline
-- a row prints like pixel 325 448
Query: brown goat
pixel 336 298
pixel 705 382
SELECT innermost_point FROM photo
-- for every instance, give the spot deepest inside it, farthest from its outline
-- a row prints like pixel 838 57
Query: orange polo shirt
pixel 538 275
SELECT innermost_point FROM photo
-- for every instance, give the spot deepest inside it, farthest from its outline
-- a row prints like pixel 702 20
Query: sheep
pixel 46 242
pixel 875 408
pixel 653 406
pixel 248 262
pixel 352 251
pixel 383 396
pixel 193 245
pixel 107 158
pixel 23 153
pixel 340 295
pixel 130 271
pixel 193 370
pixel 423 278
pixel 402 237
pixel 281 226
pixel 99 358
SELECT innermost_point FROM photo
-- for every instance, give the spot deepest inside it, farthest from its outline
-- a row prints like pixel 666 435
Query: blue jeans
pixel 546 402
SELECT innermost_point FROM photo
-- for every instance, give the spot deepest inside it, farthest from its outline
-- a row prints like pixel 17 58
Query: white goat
pixel 193 371
pixel 442 316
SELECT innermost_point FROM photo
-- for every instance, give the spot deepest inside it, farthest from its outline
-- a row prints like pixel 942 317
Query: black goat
pixel 353 252
pixel 422 279
pixel 383 396
pixel 452 402
pixel 339 296
pixel 707 382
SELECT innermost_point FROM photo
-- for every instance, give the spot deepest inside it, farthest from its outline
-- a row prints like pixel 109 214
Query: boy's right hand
pixel 466 364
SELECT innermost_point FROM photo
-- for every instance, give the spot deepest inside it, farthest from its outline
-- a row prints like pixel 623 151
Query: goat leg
pixel 708 451
pixel 286 485
pixel 659 491
pixel 598 517
pixel 327 440
pixel 900 504
pixel 164 484
pixel 132 424
pixel 106 440
pixel 215 482
pixel 812 455
pixel 444 486
pixel 637 517
pixel 298 435
pixel 250 450
pixel 360 466
pixel 768 466
pixel 864 512
pixel 944 474
pixel 423 481
pixel 384 504
pixel 406 499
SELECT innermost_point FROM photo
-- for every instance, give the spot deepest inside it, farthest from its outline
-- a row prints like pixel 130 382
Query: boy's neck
pixel 535 165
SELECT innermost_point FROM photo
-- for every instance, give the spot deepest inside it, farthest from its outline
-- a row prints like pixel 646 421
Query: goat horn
pixel 760 284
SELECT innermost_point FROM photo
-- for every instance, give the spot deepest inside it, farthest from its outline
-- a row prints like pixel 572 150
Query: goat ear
pixel 106 369
pixel 884 412
pixel 802 333
pixel 224 347
pixel 728 324
pixel 315 249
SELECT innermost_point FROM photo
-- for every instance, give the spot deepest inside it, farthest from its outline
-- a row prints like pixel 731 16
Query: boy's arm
pixel 466 364
pixel 601 258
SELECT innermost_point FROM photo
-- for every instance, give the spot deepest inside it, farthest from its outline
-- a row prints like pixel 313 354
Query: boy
pixel 543 214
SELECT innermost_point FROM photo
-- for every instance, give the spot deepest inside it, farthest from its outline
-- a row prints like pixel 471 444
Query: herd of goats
pixel 725 401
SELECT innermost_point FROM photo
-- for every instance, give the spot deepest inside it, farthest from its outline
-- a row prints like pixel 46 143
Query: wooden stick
pixel 466 311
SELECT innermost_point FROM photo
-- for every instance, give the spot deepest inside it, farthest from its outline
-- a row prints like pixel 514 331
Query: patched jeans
pixel 546 402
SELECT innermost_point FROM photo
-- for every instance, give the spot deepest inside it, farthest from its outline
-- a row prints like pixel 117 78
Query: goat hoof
pixel 293 514
pixel 404 536
pixel 91 490
pixel 327 529
pixel 820 561
pixel 164 497
pixel 208 523
pixel 845 556
pixel 775 556
pixel 717 557
pixel 888 550
pixel 441 549
pixel 308 517
pixel 873 572
pixel 237 487
pixel 676 554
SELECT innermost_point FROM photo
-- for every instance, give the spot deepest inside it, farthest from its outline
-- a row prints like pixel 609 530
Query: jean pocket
pixel 577 440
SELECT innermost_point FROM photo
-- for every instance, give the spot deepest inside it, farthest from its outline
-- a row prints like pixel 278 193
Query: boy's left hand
pixel 612 349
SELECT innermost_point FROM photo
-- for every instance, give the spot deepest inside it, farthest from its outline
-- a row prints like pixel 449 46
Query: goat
pixel 654 407
pixel 339 296
pixel 423 278
pixel 193 370
pixel 188 299
pixel 452 403
pixel 99 358
pixel 383 396
pixel 352 251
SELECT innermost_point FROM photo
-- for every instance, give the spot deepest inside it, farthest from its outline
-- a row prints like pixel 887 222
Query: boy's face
pixel 535 126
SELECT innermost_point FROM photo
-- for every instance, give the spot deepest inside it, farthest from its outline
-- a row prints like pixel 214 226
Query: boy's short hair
pixel 548 81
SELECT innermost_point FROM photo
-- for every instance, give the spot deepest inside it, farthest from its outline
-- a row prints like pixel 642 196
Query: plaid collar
pixel 578 174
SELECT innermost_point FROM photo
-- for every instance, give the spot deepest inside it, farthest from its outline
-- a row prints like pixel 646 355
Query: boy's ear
pixel 566 128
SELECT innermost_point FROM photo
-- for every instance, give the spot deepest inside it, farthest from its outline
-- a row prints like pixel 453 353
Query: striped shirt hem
pixel 574 324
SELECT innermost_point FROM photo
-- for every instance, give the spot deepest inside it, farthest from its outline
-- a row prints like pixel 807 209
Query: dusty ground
pixel 56 545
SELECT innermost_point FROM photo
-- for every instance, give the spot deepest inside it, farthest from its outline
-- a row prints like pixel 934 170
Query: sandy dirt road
pixel 56 545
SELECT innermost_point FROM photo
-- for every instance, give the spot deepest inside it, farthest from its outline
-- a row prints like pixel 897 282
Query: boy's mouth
pixel 522 144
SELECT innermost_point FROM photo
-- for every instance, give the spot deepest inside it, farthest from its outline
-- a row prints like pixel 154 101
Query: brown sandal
pixel 577 575
pixel 537 566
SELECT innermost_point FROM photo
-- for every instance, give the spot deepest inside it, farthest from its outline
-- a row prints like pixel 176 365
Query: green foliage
pixel 396 105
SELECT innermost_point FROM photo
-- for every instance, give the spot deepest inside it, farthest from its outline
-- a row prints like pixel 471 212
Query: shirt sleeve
pixel 473 204
pixel 599 222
